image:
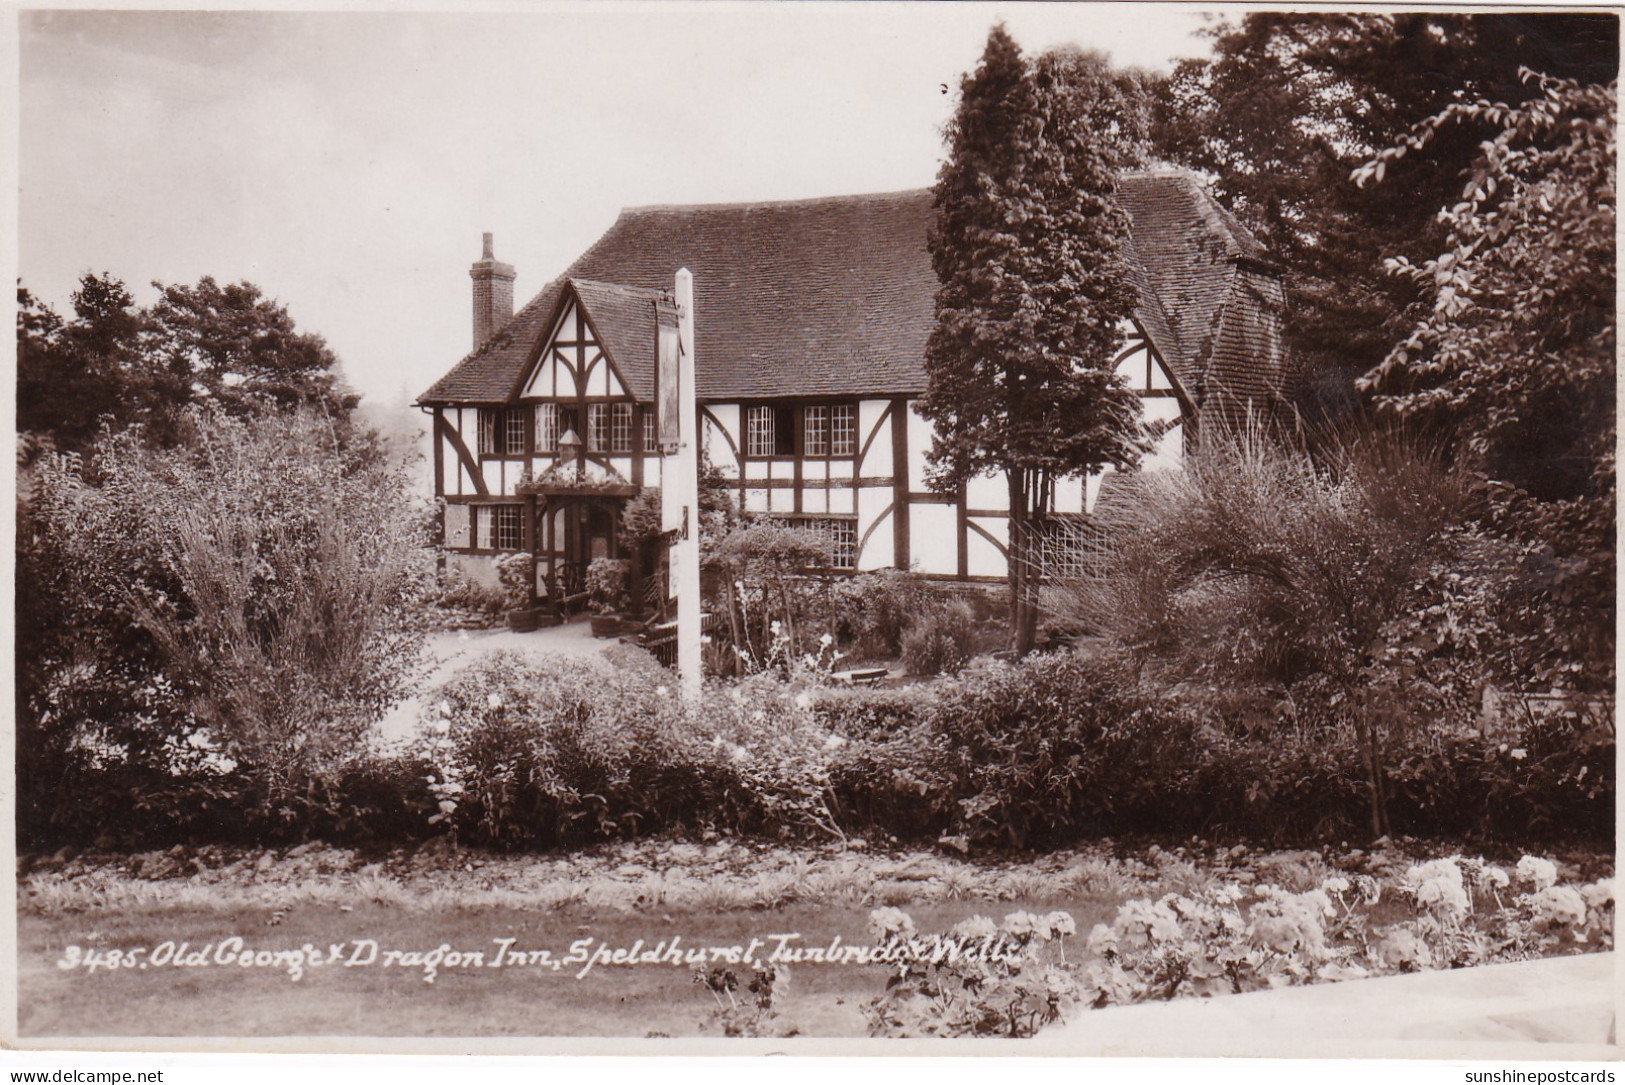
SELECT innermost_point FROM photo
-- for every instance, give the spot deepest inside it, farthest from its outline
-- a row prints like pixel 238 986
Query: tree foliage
pixel 117 365
pixel 1290 104
pixel 1028 244
pixel 1514 351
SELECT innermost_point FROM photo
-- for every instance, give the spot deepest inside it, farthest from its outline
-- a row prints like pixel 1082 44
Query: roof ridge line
pixel 850 197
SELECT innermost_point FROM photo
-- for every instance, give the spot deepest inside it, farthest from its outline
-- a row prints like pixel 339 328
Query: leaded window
pixel 547 427
pixel 759 431
pixel 621 427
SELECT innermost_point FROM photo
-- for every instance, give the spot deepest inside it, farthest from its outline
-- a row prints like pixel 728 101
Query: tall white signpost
pixel 680 477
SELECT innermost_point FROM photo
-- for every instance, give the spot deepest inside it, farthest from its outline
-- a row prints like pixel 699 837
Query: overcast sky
pixel 348 163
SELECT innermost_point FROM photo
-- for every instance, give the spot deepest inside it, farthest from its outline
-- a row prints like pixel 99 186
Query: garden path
pixel 1559 1008
pixel 450 652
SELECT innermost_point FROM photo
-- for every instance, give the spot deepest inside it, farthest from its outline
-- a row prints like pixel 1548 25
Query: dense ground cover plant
pixel 978 979
pixel 1449 912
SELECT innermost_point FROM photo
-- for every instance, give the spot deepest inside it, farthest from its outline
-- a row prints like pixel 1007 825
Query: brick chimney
pixel 493 295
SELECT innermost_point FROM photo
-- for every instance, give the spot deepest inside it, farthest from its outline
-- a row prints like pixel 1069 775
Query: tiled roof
pixel 835 296
pixel 624 318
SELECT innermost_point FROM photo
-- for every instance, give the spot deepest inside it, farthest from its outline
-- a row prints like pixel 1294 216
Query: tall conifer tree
pixel 1028 244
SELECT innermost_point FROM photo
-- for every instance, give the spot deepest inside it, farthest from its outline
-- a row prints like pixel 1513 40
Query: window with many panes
pixel 499 527
pixel 502 433
pixel 759 431
pixel 510 526
pixel 770 431
pixel 842 533
pixel 1068 544
pixel 651 439
pixel 488 430
pixel 598 427
pixel 815 432
pixel 829 431
pixel 547 427
pixel 620 427
pixel 843 430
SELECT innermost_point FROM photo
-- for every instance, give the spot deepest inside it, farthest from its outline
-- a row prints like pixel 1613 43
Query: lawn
pixel 493 918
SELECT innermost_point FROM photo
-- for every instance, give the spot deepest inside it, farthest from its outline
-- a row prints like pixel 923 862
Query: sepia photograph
pixel 830 529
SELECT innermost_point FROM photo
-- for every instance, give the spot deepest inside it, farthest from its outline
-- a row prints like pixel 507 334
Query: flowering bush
pixel 978 979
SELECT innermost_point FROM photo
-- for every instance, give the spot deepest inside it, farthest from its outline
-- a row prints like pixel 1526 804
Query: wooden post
pixel 685 566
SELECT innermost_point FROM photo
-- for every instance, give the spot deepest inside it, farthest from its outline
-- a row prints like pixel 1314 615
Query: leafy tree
pixel 1290 104
pixel 1028 246
pixel 71 375
pixel 1514 353
pixel 116 364
pixel 241 350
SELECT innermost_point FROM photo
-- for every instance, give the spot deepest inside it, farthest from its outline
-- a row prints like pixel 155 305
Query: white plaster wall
pixel 933 538
pixel 727 416
pixel 920 433
pixel 982 557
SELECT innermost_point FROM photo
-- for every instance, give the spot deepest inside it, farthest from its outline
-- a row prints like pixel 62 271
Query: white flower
pixel 738 753
pixel 826 640
pixel 1497 877
pixel 494 700
pixel 776 627
pixel 833 742
pixel 1540 873
pixel 1560 904
pixel 444 708
pixel 1518 754
pixel 1335 885
pixel 1438 887
pixel 885 922
pixel 1599 893
pixel 803 700
pixel 977 926
pixel 1061 923
pixel 661 691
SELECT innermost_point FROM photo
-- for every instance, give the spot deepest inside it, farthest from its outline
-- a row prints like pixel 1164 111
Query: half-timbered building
pixel 811 319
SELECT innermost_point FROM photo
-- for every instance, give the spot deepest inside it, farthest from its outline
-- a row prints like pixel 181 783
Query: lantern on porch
pixel 570 449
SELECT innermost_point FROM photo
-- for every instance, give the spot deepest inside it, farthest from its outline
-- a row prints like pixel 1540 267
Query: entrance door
pixel 598 532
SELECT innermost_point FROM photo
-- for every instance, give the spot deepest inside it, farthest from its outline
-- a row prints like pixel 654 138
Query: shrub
pixel 871 612
pixel 769 590
pixel 514 573
pixel 565 751
pixel 891 771
pixel 941 641
pixel 557 751
pixel 240 610
pixel 456 590
pixel 606 585
pixel 1051 747
pixel 1262 568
